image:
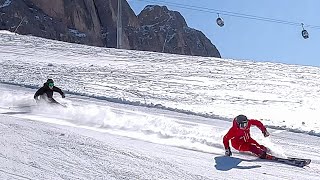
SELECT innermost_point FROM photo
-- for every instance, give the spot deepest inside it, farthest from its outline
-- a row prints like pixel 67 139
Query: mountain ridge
pixel 94 23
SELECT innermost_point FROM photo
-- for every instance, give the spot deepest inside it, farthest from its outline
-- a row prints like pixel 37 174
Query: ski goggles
pixel 243 125
pixel 50 84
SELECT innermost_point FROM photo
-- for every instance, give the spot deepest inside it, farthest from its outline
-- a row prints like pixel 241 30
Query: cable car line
pixel 233 14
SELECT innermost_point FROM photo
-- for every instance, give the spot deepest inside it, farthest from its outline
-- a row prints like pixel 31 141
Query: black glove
pixel 63 96
pixel 228 152
pixel 266 133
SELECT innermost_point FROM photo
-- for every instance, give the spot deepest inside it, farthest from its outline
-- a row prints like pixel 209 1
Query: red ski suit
pixel 241 139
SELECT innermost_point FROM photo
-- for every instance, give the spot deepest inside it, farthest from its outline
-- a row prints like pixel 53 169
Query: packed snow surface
pixel 143 115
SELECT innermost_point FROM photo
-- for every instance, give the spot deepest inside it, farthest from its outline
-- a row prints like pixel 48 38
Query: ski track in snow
pixel 192 133
pixel 38 151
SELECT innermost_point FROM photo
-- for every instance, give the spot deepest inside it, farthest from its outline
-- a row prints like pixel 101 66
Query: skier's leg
pixel 252 141
pixel 265 148
pixel 253 148
pixel 51 100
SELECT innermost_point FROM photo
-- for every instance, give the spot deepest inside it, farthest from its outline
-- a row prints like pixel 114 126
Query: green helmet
pixel 50 82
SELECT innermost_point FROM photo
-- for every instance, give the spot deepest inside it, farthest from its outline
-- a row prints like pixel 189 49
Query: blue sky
pixel 248 39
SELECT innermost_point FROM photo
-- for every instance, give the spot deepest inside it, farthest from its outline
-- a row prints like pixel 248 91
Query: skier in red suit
pixel 239 134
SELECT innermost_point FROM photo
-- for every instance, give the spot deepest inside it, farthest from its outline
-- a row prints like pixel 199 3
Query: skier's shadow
pixel 225 163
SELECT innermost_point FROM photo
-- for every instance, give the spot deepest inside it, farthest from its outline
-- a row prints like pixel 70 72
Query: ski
pixel 293 161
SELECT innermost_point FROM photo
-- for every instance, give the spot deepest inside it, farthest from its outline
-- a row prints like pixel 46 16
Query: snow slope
pixel 284 96
pixel 142 115
pixel 132 143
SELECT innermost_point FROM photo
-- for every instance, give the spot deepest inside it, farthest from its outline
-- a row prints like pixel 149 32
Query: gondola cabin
pixel 305 34
pixel 220 22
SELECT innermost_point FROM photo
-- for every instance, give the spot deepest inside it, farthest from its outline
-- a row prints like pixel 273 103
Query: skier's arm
pixel 260 126
pixel 226 138
pixel 38 93
pixel 56 89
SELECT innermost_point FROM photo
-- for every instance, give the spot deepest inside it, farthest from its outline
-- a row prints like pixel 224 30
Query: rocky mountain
pixel 93 22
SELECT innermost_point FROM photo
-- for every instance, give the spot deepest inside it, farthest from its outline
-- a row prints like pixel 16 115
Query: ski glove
pixel 228 152
pixel 63 96
pixel 266 133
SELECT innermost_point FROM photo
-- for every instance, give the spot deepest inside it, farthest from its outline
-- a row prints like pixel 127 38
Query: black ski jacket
pixel 49 92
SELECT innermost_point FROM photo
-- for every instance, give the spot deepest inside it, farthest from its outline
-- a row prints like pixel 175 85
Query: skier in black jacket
pixel 46 92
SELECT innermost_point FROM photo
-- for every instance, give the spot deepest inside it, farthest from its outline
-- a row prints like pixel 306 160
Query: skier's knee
pixel 263 155
pixel 258 151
